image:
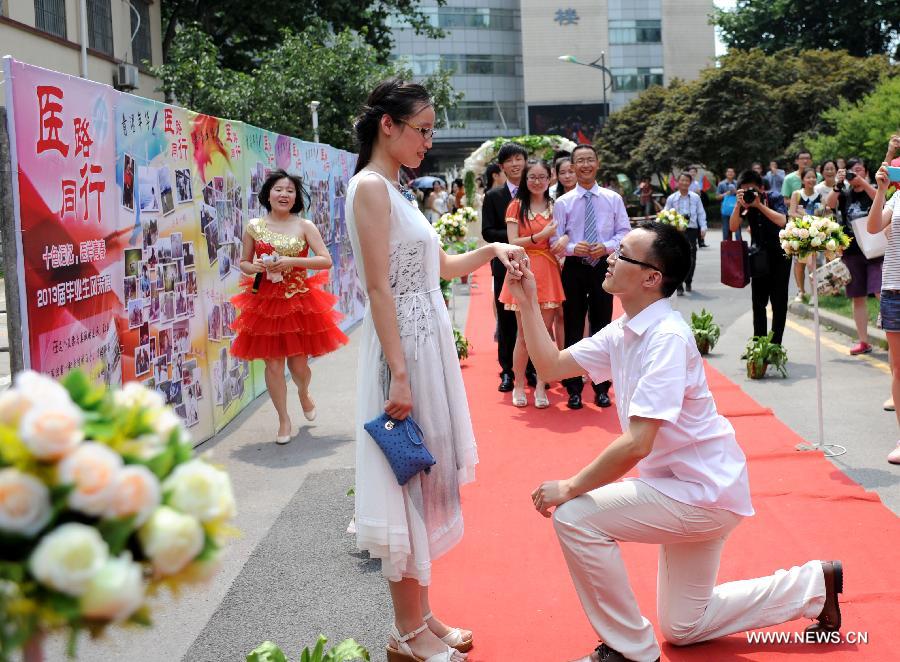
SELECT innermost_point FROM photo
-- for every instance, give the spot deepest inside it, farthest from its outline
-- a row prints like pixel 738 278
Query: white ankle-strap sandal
pixel 403 653
pixel 454 638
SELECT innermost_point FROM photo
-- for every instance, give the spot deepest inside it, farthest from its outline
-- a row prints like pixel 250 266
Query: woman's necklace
pixel 405 191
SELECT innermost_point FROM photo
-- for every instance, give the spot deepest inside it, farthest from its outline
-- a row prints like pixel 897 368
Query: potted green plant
pixel 706 331
pixel 462 344
pixel 346 651
pixel 760 353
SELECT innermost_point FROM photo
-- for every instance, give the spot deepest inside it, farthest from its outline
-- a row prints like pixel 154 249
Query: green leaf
pixel 266 652
pixel 210 547
pixel 141 617
pixel 347 651
pixel 161 464
pixel 77 384
pixel 319 650
pixel 116 533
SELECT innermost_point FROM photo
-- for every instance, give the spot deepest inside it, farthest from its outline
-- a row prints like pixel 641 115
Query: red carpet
pixel 508 582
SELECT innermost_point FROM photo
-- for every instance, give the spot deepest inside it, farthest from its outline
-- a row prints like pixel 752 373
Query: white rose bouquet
pixel 673 218
pixel 451 227
pixel 101 502
pixel 806 235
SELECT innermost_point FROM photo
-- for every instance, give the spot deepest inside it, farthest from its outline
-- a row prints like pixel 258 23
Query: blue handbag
pixel 403 445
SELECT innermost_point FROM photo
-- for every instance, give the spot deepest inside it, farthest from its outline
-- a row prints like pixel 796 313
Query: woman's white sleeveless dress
pixel 408 527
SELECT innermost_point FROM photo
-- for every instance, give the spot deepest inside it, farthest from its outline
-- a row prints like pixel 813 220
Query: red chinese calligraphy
pixel 68 198
pixel 83 140
pixel 167 122
pixel 50 121
pixel 90 185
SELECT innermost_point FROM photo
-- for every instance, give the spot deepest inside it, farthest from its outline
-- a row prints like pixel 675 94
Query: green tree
pixel 860 28
pixel 240 29
pixel 862 128
pixel 748 108
pixel 337 70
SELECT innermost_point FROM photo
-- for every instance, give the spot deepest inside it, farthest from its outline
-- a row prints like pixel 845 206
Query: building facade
pixel 483 47
pixel 47 33
pixel 507 57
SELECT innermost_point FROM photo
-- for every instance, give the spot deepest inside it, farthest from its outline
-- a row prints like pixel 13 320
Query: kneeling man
pixel 692 489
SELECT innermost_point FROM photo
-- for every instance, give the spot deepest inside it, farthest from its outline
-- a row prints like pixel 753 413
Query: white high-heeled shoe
pixel 403 653
pixel 540 399
pixel 454 638
pixel 518 397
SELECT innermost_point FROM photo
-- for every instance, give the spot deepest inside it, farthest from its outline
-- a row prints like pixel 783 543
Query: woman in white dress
pixel 408 366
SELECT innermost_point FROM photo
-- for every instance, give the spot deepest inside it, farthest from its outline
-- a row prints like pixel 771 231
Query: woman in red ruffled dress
pixel 289 317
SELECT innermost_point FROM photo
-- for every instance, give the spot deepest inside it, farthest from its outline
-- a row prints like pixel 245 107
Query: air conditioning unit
pixel 126 77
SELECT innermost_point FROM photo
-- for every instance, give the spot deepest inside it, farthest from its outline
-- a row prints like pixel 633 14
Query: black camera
pixel 850 176
pixel 750 196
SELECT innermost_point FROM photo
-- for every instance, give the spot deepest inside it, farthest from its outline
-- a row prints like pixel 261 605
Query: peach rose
pixel 51 430
pixel 24 503
pixel 135 491
pixel 13 405
pixel 93 468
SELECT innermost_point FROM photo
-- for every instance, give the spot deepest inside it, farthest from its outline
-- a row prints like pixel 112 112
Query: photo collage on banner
pixel 130 215
pixel 63 143
pixel 164 344
pixel 218 165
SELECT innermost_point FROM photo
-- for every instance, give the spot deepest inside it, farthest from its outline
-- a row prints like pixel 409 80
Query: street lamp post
pixel 603 70
pixel 314 109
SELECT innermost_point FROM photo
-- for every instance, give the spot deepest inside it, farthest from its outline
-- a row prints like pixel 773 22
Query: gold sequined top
pixel 284 244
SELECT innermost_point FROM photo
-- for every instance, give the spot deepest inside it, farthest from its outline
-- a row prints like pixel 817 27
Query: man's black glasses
pixel 618 255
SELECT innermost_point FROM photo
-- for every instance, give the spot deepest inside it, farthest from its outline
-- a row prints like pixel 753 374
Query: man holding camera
pixel 852 198
pixel 770 270
pixel 688 204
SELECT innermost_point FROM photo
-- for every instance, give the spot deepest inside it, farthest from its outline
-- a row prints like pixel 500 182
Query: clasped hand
pixel 278 265
pixel 593 251
pixel 549 494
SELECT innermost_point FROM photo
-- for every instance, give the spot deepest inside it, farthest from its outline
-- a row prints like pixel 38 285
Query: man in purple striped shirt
pixel 591 222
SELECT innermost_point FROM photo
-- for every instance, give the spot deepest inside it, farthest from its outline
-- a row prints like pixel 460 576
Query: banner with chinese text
pixel 130 214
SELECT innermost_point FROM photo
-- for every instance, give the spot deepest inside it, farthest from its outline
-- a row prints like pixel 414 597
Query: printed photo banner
pixel 130 214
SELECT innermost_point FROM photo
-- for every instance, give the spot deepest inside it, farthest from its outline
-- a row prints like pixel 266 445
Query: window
pixel 485 112
pixel 635 80
pixel 461 17
pixel 50 16
pixel 635 32
pixel 99 18
pixel 141 50
pixel 462 65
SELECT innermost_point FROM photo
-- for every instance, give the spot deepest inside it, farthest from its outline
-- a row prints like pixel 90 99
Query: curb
pixel 837 322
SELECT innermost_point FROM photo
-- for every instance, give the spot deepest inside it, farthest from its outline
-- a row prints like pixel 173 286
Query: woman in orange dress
pixel 283 314
pixel 530 224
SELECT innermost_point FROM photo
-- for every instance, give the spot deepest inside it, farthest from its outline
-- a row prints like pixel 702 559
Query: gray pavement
pixel 294 572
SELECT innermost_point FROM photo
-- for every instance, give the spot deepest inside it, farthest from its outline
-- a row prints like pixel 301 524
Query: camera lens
pixel 850 176
pixel 749 196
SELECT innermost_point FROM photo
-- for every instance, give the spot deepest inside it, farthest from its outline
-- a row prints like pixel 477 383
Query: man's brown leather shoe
pixel 830 618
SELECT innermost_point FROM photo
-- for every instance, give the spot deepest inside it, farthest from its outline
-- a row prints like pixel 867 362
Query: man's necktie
pixel 590 225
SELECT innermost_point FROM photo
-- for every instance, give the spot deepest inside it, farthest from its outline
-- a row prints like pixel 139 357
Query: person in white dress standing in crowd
pixel 408 366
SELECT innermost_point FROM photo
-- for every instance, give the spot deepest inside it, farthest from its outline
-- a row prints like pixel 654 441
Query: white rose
pixel 51 430
pixel 831 244
pixel 115 592
pixel 24 503
pixel 804 234
pixel 795 245
pixel 201 490
pixel 135 491
pixel 785 246
pixel 40 389
pixel 67 558
pixel 136 396
pixel 164 421
pixel 150 445
pixel 92 468
pixel 833 226
pixel 171 539
pixel 782 234
pixel 13 405
pixel 796 232
pixel 816 242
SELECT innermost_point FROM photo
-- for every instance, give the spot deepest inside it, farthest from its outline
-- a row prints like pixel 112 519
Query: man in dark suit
pixel 512 158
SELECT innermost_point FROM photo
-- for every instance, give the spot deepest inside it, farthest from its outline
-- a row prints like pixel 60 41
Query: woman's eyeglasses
pixel 618 255
pixel 427 133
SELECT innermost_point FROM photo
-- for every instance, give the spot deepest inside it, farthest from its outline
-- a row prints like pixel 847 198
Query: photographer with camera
pixel 852 196
pixel 770 269
pixel 688 204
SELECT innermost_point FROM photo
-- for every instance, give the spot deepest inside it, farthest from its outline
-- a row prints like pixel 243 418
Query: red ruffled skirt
pixel 282 319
